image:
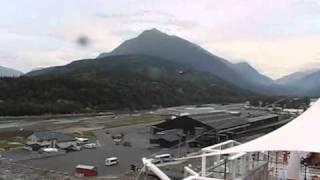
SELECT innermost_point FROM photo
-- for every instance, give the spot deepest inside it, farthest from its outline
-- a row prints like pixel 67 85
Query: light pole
pixel 179 148
pixel 179 145
pixel 305 171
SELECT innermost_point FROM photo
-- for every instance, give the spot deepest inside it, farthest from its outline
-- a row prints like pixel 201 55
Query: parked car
pixel 111 161
pixel 82 139
pixel 86 170
pixel 49 150
pixel 74 148
pixel 90 145
pixel 162 158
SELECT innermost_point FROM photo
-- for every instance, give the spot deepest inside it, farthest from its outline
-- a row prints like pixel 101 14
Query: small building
pixel 51 139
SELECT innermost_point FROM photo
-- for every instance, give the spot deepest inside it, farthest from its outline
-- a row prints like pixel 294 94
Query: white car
pixel 162 158
pixel 111 161
pixel 82 139
pixel 50 150
pixel 90 145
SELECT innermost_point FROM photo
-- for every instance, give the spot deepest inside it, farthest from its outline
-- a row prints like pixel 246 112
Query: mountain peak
pixel 250 73
pixel 244 64
pixel 152 32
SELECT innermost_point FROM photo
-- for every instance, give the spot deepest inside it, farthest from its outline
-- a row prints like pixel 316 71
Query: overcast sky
pixel 275 36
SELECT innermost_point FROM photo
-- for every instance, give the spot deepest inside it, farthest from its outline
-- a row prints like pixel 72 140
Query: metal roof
pixel 260 118
pixel 220 121
pixel 169 135
pixel 82 166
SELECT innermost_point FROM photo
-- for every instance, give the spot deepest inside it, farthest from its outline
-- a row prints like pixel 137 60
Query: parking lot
pixel 66 162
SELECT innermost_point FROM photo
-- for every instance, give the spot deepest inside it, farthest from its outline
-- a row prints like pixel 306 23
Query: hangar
pixel 210 128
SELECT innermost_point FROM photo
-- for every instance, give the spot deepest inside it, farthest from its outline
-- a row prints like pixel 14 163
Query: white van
pixel 111 161
pixel 163 158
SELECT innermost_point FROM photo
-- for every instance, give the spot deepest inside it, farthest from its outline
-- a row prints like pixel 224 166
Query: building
pixel 185 123
pixel 214 127
pixel 50 139
pixel 168 138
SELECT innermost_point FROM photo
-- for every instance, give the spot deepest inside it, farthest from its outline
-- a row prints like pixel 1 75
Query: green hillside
pixel 129 82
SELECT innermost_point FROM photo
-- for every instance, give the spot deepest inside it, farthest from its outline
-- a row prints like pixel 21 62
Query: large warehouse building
pixel 214 127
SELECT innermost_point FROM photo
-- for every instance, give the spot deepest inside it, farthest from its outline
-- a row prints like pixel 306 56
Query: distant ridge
pixel 303 83
pixel 8 72
pixel 292 78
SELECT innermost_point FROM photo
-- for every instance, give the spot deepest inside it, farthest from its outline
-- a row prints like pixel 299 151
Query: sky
pixel 277 37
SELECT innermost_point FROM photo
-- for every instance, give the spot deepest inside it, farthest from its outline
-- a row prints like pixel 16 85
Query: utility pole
pixel 187 144
pixel 276 163
pixel 225 169
pixel 179 148
pixel 305 172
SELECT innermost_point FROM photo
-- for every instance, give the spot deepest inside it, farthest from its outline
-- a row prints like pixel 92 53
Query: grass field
pixel 138 119
pixel 85 134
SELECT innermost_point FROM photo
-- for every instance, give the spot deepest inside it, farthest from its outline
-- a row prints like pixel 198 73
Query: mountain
pixel 8 72
pixel 292 78
pixel 303 83
pixel 172 48
pixel 113 82
pixel 310 84
pixel 126 67
pixel 251 74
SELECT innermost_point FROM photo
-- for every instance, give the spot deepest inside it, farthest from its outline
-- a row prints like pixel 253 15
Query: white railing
pixel 235 166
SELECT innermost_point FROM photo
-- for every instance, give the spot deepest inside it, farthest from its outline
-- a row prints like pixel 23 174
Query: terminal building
pixel 213 127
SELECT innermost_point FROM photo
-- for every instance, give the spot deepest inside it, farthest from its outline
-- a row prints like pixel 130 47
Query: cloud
pixel 148 17
pixel 141 13
pixel 275 57
pixel 277 37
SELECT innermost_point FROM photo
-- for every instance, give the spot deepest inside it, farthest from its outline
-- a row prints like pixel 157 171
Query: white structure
pixel 51 139
pixel 235 166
